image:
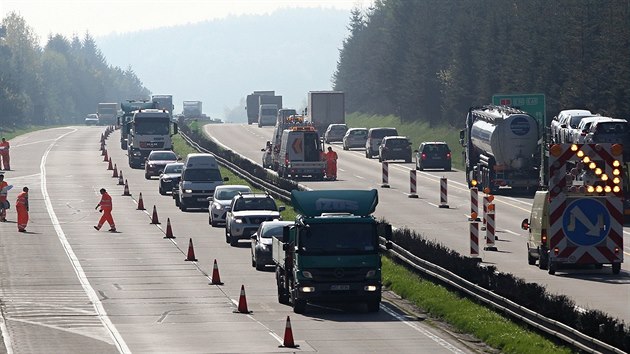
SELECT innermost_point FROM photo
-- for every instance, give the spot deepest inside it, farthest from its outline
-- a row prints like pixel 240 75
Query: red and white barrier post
pixel 443 193
pixel 412 184
pixel 490 229
pixel 485 202
pixel 385 175
pixel 474 239
pixel 474 204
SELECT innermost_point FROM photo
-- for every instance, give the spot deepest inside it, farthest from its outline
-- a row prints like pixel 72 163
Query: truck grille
pixel 337 274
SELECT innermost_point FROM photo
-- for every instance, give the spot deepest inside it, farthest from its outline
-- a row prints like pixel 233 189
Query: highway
pixel 67 288
pixel 590 288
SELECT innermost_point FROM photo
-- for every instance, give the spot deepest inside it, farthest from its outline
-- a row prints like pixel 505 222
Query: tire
pixel 616 268
pixel 147 176
pixel 213 223
pixel 259 266
pixel 227 235
pixel 373 305
pixel 254 263
pixel 531 260
pixel 552 268
pixel 447 169
pixel 162 191
pixel 233 241
pixel 299 305
pixel 182 206
pixel 283 295
pixel 543 260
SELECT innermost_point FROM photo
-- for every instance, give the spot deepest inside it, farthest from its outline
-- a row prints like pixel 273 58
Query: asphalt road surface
pixel 67 288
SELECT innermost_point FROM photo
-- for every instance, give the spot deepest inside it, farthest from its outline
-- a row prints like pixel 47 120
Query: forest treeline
pixel 430 60
pixel 59 83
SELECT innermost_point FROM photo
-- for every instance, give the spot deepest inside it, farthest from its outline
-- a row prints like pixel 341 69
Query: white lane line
pixel 20 177
pixel 5 335
pixel 433 337
pixel 85 283
pixel 359 177
pixel 511 232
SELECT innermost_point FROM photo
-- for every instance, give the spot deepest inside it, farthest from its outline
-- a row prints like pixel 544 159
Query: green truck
pixel 331 253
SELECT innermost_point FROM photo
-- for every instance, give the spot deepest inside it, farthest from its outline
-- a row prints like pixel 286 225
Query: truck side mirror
pixel 175 129
pixel 285 235
pixel 525 224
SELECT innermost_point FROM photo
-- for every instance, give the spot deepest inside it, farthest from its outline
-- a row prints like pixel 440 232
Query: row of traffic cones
pixel 288 341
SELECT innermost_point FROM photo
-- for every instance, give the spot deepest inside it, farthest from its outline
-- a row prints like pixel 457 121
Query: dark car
pixel 154 165
pixel 374 138
pixel 433 154
pixel 394 148
pixel 261 242
pixel 170 177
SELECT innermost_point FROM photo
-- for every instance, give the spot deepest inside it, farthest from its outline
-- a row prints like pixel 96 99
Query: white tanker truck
pixel 501 147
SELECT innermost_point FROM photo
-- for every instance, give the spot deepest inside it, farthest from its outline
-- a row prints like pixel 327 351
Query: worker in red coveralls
pixel 331 164
pixel 21 206
pixel 106 208
pixel 4 155
pixel 4 203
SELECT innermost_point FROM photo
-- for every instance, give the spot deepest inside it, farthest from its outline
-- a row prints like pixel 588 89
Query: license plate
pixel 339 287
pixel 436 157
pixel 202 199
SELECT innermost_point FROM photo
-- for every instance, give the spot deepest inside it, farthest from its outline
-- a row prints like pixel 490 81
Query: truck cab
pixel 149 130
pixel 332 252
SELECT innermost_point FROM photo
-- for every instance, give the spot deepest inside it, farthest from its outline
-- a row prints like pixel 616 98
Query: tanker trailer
pixel 501 149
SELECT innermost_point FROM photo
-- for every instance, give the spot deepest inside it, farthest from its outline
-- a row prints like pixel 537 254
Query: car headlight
pixel 217 206
pixel 187 190
pixel 167 180
pixel 238 220
pixel 136 153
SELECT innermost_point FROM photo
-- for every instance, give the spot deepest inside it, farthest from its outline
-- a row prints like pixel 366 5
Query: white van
pixel 538 225
pixel 301 152
pixel 267 114
pixel 200 176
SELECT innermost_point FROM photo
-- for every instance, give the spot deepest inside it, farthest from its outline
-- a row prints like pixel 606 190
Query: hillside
pixel 218 62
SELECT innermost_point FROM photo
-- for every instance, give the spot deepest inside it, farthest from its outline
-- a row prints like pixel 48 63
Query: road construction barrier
pixel 126 190
pixel 140 202
pixel 216 279
pixel 110 166
pixel 190 257
pixel 474 204
pixel 154 217
pixel 474 239
pixel 385 174
pixel 115 173
pixel 490 229
pixel 412 184
pixel 443 193
pixel 288 341
pixel 242 302
pixel 169 229
pixel 485 202
pixel 121 181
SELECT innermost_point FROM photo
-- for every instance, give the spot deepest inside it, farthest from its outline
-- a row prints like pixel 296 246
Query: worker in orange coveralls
pixel 4 203
pixel 21 206
pixel 106 208
pixel 4 155
pixel 331 164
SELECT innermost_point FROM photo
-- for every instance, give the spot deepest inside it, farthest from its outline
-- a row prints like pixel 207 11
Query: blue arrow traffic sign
pixel 586 221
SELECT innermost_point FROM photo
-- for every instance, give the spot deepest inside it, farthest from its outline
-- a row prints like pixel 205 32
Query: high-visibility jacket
pixel 331 156
pixel 4 147
pixel 106 202
pixel 22 200
pixel 4 190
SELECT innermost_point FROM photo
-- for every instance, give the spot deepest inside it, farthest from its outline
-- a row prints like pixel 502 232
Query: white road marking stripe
pixel 511 232
pixel 85 283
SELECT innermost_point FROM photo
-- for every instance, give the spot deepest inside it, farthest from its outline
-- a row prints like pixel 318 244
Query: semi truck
pixel 192 109
pixel 332 251
pixel 124 121
pixel 502 148
pixel 164 102
pixel 107 113
pixel 257 98
pixel 325 108
pixel 148 130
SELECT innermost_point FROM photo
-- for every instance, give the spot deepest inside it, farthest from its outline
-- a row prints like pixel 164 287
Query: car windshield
pixel 575 121
pixel 359 132
pixel 436 149
pixel 338 239
pixel 201 175
pixel 338 128
pixel 173 169
pixel 270 231
pixel 381 133
pixel 163 156
pixel 612 128
pixel 228 194
pixel 254 204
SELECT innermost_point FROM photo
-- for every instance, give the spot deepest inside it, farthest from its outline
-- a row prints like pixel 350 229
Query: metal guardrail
pixel 553 328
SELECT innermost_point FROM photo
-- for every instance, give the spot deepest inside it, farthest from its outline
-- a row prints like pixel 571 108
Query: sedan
pixel 221 200
pixel 262 242
pixel 170 177
pixel 154 165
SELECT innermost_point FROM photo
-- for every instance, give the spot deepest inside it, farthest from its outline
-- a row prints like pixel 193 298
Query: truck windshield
pixel 339 239
pixel 201 175
pixel 152 127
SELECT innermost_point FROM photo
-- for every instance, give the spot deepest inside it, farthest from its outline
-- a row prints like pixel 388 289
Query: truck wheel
pixel 299 305
pixel 227 235
pixel 552 268
pixel 543 260
pixel 616 268
pixel 373 305
pixel 531 260
pixel 283 294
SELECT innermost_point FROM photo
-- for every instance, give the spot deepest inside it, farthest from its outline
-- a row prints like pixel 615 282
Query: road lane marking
pixel 85 283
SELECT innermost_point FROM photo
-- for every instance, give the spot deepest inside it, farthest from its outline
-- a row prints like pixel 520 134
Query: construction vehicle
pixel 192 109
pixel 332 252
pixel 501 148
pixel 301 151
pixel 124 121
pixel 286 118
pixel 107 113
pixel 148 130
pixel 577 220
pixel 325 108
pixel 258 98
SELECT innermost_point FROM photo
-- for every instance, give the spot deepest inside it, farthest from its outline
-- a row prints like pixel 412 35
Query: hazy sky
pixel 101 17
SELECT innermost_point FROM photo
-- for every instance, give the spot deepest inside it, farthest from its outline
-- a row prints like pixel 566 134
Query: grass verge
pixel 464 314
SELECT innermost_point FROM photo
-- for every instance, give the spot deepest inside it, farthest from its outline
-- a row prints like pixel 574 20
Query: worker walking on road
pixel 106 208
pixel 4 155
pixel 21 206
pixel 4 203
pixel 331 164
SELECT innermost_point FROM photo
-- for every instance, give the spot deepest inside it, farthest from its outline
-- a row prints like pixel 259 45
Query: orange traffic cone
pixel 126 191
pixel 102 147
pixel 110 166
pixel 169 230
pixel 105 155
pixel 115 173
pixel 242 302
pixel 216 279
pixel 288 336
pixel 102 138
pixel 121 181
pixel 191 252
pixel 154 218
pixel 140 203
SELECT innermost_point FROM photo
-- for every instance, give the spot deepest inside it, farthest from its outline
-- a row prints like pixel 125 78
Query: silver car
pixel 261 242
pixel 221 200
pixel 246 213
pixel 355 138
